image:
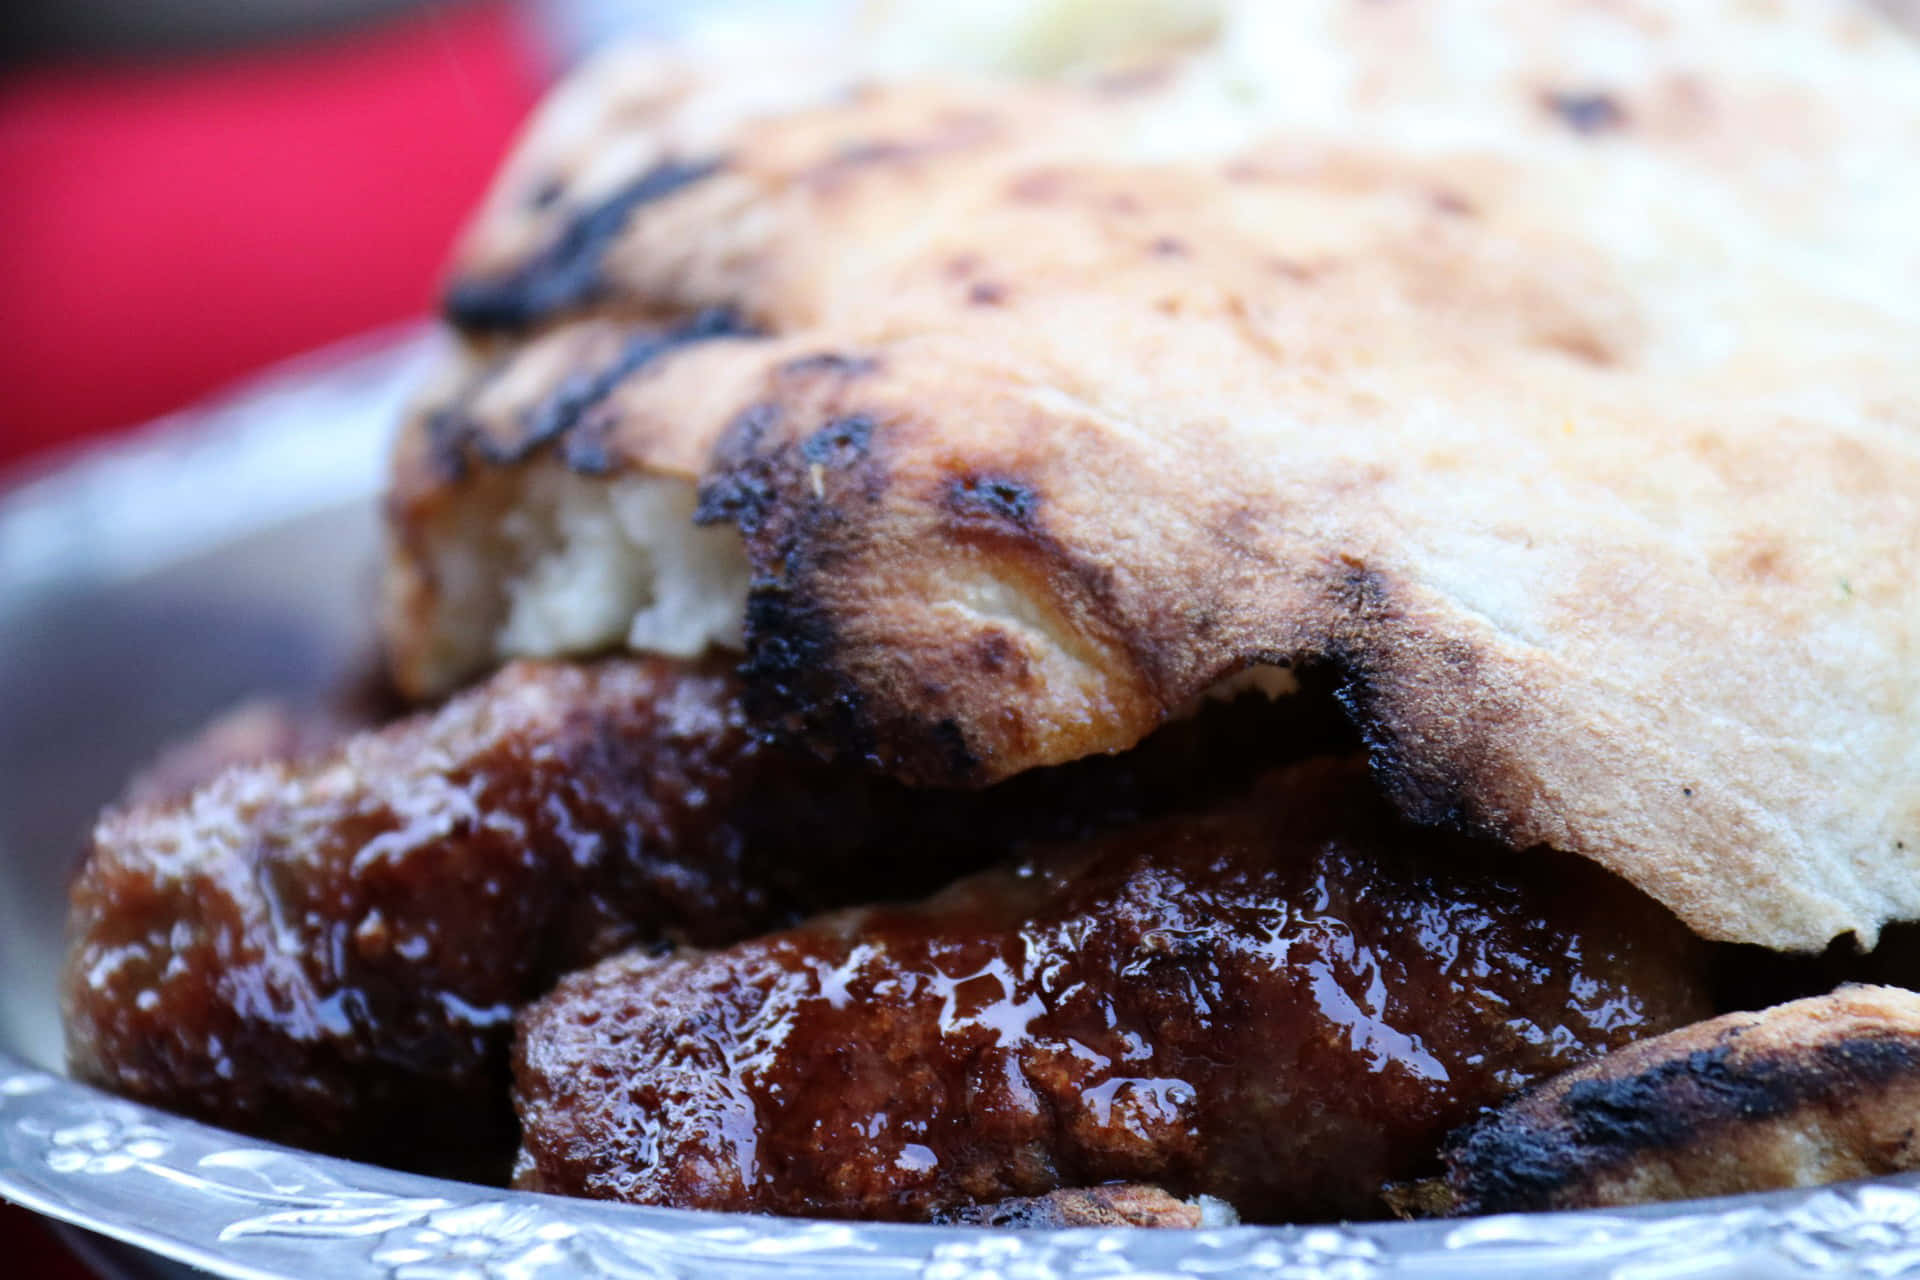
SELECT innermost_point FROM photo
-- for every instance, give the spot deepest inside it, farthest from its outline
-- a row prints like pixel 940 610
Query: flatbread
pixel 1547 371
pixel 1804 1094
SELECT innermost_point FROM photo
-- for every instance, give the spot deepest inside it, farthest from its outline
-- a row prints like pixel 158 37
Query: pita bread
pixel 1546 370
pixel 1817 1091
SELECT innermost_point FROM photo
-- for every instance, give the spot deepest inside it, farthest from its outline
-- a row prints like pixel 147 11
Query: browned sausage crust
pixel 328 951
pixel 1283 1003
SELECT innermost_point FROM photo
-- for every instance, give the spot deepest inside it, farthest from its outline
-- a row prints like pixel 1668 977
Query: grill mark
pixel 841 442
pixel 1516 1161
pixel 996 497
pixel 834 363
pixel 742 490
pixel 567 272
pixel 1587 113
pixel 568 413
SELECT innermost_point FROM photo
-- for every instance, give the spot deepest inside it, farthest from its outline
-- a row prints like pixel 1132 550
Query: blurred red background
pixel 167 225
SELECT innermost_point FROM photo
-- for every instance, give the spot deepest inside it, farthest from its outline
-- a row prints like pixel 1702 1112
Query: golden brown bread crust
pixel 1284 1001
pixel 1582 445
pixel 1817 1091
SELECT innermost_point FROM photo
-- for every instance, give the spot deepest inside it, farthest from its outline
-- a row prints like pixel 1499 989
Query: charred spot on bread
pixel 837 363
pixel 998 498
pixel 740 489
pixel 567 273
pixel 1671 1106
pixel 1587 112
pixel 571 408
pixel 793 685
pixel 841 442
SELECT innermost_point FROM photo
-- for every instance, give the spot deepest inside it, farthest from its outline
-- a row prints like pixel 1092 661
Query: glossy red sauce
pixel 1285 1003
pixel 329 951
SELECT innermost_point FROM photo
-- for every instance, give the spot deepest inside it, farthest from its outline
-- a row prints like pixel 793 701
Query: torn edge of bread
pixel 549 563
pixel 1807 1093
pixel 618 562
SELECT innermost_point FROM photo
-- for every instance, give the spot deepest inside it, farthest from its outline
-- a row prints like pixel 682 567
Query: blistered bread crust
pixel 1562 402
